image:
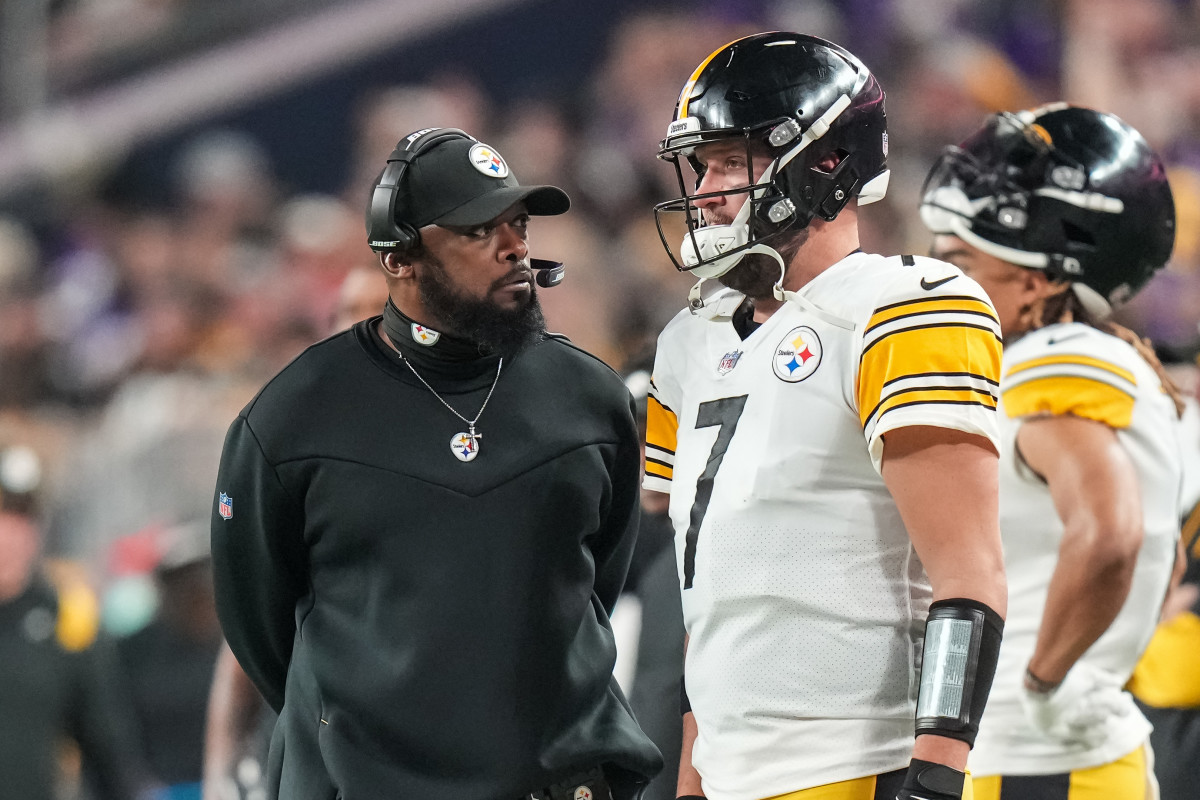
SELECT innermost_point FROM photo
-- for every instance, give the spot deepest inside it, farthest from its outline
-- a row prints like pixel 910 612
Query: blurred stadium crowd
pixel 137 317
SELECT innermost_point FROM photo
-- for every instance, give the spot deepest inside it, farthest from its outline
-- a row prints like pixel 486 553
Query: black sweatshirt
pixel 431 629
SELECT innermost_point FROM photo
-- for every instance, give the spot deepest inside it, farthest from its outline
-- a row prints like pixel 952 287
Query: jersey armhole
pixel 1022 466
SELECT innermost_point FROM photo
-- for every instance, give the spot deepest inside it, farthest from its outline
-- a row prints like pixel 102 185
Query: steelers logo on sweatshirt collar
pixel 425 336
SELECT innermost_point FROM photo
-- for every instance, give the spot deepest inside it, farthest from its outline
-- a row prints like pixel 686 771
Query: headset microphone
pixel 547 273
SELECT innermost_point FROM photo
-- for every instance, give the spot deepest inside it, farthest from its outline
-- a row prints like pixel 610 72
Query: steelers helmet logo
pixel 797 355
pixel 488 161
pixel 583 793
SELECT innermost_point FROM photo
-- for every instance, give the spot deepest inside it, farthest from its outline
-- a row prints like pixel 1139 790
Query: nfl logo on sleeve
pixel 225 506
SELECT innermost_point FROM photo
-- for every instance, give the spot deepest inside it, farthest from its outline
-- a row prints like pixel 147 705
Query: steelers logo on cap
pixel 488 161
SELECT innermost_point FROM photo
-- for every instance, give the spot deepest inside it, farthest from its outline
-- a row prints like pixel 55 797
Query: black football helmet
pixel 1075 192
pixel 797 99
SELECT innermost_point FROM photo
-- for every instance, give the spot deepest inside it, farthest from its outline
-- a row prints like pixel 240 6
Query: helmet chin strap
pixel 784 295
pixel 695 296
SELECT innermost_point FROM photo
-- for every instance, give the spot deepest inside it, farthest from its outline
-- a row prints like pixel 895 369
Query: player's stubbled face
pixel 726 165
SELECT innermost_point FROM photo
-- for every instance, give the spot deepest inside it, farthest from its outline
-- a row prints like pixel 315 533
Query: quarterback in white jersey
pixel 803 598
pixel 1059 212
pixel 807 421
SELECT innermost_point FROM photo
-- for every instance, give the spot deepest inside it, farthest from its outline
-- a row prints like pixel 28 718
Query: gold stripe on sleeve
pixel 658 469
pixel 1071 358
pixel 662 427
pixel 944 396
pixel 1068 394
pixel 925 351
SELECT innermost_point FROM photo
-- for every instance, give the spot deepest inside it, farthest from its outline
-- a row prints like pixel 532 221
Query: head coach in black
pixel 422 523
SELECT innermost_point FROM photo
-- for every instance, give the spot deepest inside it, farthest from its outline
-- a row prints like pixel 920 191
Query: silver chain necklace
pixel 465 446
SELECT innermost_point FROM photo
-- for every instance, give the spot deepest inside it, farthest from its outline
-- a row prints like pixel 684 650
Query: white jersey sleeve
pixel 1072 370
pixel 931 352
pixel 662 420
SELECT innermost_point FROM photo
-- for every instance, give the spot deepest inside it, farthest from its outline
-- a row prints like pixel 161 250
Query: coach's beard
pixel 493 329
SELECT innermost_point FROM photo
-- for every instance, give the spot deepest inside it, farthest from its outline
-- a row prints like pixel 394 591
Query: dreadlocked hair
pixel 1066 307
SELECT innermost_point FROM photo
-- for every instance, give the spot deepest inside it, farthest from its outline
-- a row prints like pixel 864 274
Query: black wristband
pixel 930 781
pixel 962 644
pixel 1038 686
pixel 691 797
pixel 685 705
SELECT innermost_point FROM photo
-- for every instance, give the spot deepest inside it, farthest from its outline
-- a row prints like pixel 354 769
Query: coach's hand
pixel 926 780
pixel 1077 710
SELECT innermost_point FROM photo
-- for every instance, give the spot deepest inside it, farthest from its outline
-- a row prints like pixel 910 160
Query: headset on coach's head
pixel 386 233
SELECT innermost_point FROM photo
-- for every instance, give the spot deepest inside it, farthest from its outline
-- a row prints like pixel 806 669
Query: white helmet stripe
pixel 818 129
pixel 1092 201
pixel 940 219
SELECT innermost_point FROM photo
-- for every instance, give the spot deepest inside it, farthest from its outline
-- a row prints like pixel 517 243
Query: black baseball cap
pixel 464 182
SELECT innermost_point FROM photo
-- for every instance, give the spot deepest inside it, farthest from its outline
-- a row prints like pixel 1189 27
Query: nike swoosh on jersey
pixel 1056 340
pixel 926 285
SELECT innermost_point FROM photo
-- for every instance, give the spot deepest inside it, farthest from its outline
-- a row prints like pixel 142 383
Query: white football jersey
pixel 803 599
pixel 1077 369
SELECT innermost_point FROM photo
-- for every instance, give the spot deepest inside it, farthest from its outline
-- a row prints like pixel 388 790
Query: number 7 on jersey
pixel 724 412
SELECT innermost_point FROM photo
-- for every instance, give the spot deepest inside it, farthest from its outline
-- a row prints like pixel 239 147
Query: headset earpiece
pixel 384 231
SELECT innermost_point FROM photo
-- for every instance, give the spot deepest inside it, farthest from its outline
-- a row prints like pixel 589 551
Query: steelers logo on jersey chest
pixel 797 355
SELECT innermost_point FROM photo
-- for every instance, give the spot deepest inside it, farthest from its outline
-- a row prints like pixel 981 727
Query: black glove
pixel 926 780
